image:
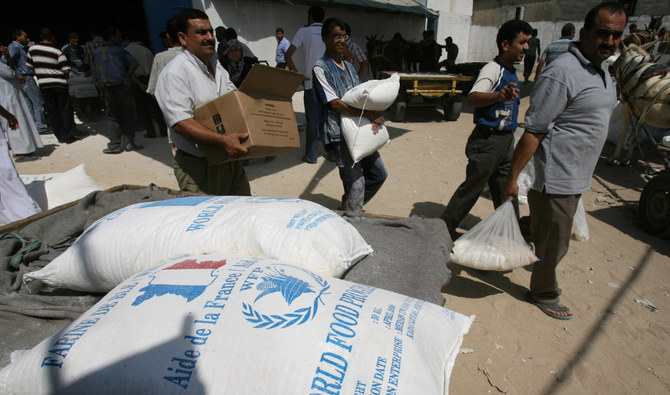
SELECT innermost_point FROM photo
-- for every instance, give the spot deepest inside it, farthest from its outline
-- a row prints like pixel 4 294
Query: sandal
pixel 549 309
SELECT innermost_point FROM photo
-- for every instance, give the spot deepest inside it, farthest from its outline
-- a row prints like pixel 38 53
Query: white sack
pixel 580 229
pixel 373 95
pixel 220 324
pixel 144 235
pixel 67 187
pixel 55 189
pixel 495 243
pixel 360 139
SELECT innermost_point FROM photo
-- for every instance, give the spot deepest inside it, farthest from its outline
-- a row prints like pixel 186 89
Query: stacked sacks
pixel 144 235
pixel 215 323
pixel 373 95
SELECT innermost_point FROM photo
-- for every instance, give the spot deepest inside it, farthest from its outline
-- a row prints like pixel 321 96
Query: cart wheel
pixel 655 204
pixel 398 111
pixel 452 109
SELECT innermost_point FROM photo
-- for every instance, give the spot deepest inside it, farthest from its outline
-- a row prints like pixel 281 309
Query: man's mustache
pixel 208 42
pixel 606 47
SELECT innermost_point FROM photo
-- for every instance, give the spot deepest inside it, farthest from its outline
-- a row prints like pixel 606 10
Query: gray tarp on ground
pixel 410 258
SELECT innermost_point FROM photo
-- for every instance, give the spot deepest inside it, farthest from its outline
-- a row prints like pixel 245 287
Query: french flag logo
pixel 188 279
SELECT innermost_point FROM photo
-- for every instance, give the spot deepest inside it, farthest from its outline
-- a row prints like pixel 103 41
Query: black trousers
pixel 120 108
pixel 489 156
pixel 551 219
pixel 58 108
pixel 148 110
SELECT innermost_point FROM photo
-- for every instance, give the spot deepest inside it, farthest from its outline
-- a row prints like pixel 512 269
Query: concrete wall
pixel 547 16
pixel 455 21
pixel 255 22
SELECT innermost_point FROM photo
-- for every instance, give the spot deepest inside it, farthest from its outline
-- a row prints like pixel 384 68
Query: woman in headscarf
pixel 236 63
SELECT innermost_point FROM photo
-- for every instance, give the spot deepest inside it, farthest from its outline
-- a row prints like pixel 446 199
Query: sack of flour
pixel 495 243
pixel 360 138
pixel 226 324
pixel 580 229
pixel 144 235
pixel 373 95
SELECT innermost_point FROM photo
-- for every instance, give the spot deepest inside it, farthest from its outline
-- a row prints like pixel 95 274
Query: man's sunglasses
pixel 605 33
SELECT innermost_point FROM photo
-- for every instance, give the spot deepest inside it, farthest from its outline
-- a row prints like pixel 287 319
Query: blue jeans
pixel 34 96
pixel 362 180
pixel 312 130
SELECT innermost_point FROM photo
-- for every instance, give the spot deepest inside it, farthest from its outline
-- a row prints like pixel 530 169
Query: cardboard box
pixel 261 107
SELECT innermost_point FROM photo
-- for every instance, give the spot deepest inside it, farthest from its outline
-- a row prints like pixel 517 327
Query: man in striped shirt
pixel 556 48
pixel 52 70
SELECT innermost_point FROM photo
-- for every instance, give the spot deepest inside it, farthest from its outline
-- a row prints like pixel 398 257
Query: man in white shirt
pixel 191 79
pixel 309 39
pixel 283 45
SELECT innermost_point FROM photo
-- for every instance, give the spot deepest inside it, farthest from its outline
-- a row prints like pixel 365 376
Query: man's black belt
pixel 488 129
pixel 187 154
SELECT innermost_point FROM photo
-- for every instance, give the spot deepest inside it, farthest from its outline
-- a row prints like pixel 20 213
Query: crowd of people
pixel 565 126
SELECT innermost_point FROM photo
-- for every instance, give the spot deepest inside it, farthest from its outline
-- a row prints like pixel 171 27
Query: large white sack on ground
pixel 144 235
pixel 360 139
pixel 225 324
pixel 55 189
pixel 373 95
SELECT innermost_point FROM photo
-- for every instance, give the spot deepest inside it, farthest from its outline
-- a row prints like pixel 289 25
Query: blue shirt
pixel 500 116
pixel 19 55
pixel 282 47
pixel 111 64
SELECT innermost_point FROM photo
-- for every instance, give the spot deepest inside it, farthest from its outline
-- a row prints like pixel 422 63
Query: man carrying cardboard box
pixel 191 79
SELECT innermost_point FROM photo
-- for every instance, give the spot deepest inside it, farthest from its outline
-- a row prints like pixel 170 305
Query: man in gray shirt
pixel 566 127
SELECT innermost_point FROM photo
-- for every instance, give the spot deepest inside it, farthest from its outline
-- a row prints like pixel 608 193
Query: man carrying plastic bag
pixel 495 243
pixel 566 127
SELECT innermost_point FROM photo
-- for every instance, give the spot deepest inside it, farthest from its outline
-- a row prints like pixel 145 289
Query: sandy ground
pixel 612 345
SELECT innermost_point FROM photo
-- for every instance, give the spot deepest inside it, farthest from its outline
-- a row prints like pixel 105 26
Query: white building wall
pixel 455 21
pixel 482 38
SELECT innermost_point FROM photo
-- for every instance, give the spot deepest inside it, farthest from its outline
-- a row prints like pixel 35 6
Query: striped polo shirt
pixel 49 65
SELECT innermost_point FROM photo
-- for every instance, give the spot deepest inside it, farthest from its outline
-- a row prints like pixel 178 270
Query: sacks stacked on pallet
pixel 373 95
pixel 245 325
pixel 144 235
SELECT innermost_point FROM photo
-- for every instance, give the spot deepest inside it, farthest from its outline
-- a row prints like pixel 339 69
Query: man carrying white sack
pixel 332 79
pixel 191 79
pixel 566 127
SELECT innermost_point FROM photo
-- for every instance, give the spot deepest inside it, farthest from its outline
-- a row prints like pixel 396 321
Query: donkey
pixel 644 90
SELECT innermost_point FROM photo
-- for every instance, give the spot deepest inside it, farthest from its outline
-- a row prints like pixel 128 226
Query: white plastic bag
pixel 360 139
pixel 580 229
pixel 495 243
pixel 145 235
pixel 373 95
pixel 227 324
pixel 525 180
